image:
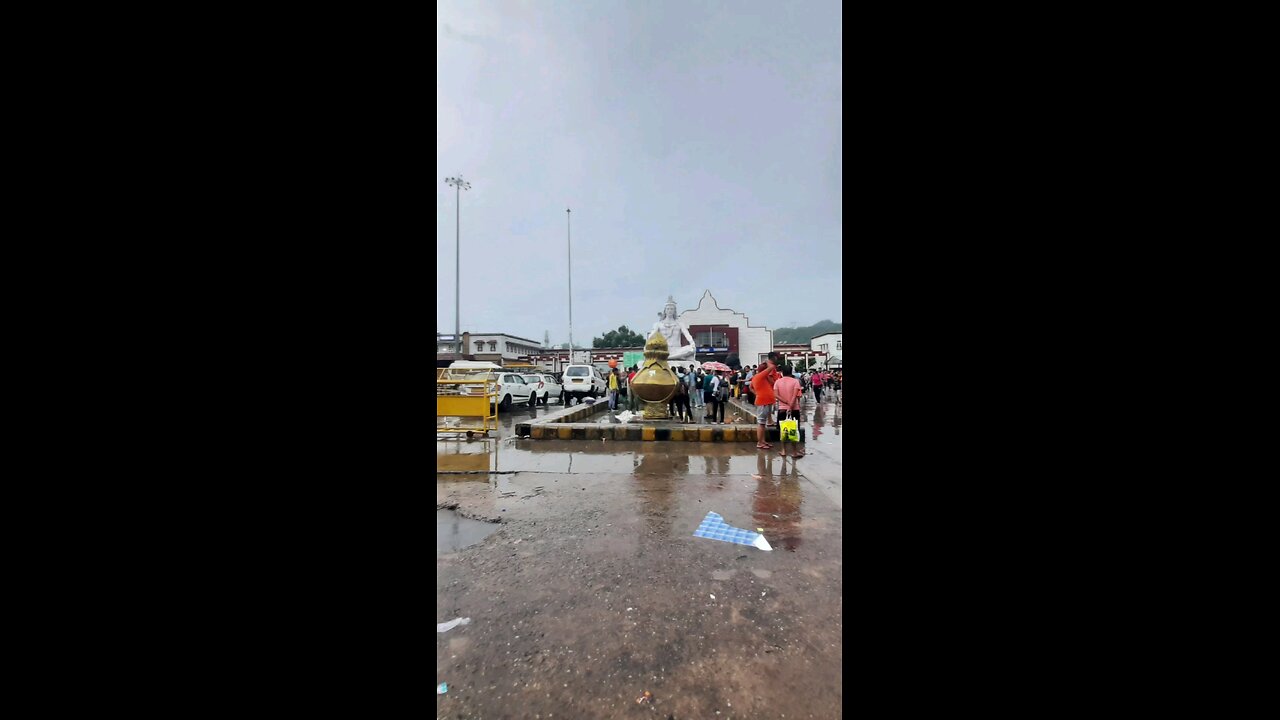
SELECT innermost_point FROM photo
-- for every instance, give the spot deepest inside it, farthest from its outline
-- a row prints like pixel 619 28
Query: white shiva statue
pixel 673 331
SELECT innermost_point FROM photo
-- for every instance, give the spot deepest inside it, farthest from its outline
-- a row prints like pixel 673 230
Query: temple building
pixel 720 332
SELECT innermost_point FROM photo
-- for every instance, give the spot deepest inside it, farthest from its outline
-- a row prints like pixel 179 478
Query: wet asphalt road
pixel 590 588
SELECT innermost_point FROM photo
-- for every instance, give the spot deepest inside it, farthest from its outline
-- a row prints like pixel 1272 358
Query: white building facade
pixel 500 348
pixel 719 332
pixel 832 344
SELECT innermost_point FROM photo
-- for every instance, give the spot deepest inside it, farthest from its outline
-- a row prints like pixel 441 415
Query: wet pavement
pixel 591 589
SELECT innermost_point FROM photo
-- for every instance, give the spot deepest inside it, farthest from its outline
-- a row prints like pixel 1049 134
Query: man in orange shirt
pixel 762 384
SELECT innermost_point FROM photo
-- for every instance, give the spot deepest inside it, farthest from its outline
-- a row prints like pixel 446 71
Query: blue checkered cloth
pixel 714 527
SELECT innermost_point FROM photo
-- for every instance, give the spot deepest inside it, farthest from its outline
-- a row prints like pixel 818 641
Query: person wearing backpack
pixel 695 388
pixel 699 391
pixel 682 378
pixel 722 394
pixel 683 412
pixel 716 388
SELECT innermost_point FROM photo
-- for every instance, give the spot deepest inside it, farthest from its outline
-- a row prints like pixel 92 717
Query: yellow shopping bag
pixel 790 430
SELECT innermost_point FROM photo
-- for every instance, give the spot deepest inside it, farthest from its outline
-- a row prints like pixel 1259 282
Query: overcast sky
pixel 698 144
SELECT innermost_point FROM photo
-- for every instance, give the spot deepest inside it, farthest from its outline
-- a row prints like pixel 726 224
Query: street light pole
pixel 569 239
pixel 459 185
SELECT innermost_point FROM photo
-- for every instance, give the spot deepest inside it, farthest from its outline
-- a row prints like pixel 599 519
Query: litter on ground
pixel 714 527
pixel 447 626
pixel 442 688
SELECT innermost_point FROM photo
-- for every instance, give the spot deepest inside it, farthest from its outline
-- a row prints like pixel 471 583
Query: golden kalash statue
pixel 655 384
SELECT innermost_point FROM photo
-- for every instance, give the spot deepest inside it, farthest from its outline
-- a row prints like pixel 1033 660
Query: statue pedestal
pixel 655 384
pixel 656 411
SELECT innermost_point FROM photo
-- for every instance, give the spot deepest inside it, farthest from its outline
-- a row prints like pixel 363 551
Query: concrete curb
pixel 681 433
pixel 576 414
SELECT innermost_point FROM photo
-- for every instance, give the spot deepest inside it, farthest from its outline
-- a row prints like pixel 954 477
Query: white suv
pixel 512 387
pixel 583 380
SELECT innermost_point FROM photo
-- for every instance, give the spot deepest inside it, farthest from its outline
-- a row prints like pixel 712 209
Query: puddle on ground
pixel 454 532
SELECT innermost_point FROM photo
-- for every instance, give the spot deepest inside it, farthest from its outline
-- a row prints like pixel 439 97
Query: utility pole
pixel 569 240
pixel 459 184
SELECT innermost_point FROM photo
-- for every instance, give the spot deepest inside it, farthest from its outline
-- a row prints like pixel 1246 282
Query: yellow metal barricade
pixel 466 403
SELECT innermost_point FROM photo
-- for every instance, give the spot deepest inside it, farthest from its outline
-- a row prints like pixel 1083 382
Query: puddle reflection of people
pixel 652 463
pixel 655 484
pixel 764 466
pixel 776 504
pixel 819 420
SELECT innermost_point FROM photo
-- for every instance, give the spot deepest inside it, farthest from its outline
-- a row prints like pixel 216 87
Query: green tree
pixel 622 337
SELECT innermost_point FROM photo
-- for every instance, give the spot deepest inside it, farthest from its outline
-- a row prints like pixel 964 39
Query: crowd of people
pixel 774 389
pixel 775 393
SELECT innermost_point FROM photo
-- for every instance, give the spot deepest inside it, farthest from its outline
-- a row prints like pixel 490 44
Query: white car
pixel 544 386
pixel 583 380
pixel 513 388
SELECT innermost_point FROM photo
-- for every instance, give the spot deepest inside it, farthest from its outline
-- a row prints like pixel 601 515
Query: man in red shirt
pixel 762 384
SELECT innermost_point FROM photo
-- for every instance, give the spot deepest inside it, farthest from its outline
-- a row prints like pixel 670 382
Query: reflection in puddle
pixel 477 456
pixel 454 532
pixel 776 503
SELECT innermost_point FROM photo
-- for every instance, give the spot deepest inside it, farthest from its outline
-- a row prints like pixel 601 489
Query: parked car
pixel 583 380
pixel 545 386
pixel 513 388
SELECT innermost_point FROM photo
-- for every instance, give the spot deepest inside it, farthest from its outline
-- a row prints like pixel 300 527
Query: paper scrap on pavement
pixel 714 527
pixel 447 626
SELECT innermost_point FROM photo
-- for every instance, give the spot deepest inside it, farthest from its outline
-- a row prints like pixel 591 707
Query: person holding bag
pixel 789 394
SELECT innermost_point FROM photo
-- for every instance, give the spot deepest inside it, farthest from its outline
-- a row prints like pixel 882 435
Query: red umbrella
pixel 712 366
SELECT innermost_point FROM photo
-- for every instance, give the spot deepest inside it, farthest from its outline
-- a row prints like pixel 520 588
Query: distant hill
pixel 802 334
